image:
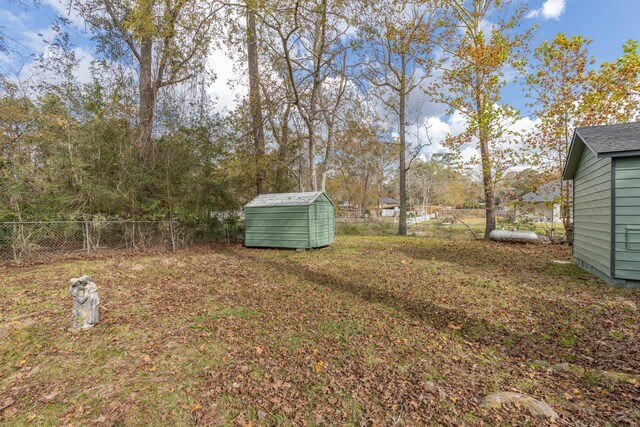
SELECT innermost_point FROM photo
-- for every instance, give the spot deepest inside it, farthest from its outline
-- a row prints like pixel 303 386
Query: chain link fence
pixel 446 228
pixel 42 241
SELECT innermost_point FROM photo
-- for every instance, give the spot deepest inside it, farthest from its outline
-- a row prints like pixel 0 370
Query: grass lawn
pixel 370 331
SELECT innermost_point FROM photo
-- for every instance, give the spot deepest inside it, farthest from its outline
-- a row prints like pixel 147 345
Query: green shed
pixel 289 220
pixel 604 164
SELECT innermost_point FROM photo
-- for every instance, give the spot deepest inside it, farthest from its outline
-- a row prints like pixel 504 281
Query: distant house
pixel 347 205
pixel 389 207
pixel 604 164
pixel 542 205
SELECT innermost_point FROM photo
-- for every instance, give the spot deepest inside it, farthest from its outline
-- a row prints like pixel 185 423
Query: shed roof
pixel 619 140
pixel 285 199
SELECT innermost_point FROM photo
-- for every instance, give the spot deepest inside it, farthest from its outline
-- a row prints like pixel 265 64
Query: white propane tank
pixel 514 236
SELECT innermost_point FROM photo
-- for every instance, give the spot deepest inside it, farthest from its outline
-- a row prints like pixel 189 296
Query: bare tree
pixel 398 58
pixel 307 41
pixel 168 41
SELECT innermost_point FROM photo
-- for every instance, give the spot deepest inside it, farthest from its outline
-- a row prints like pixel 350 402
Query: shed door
pixel 323 219
pixel 627 218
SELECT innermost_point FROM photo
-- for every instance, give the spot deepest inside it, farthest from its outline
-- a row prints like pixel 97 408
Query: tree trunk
pixel 365 189
pixel 402 221
pixel 565 193
pixel 255 106
pixel 318 53
pixel 282 182
pixel 312 158
pixel 487 180
pixel 147 91
pixel 327 155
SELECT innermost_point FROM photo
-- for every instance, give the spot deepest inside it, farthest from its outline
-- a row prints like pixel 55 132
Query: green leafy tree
pixel 472 83
pixel 568 91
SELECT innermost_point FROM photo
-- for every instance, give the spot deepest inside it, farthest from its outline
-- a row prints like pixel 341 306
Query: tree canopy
pixel 347 97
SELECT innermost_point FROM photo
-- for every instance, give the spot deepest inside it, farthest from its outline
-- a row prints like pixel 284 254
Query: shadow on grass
pixel 438 317
pixel 515 258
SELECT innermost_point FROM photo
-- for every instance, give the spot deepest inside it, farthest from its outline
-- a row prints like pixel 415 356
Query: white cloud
pixel 228 87
pixel 31 73
pixel 551 9
pixel 524 125
pixel 83 71
pixel 38 40
pixel 470 154
pixel 487 27
pixel 435 130
pixel 6 17
pixel 5 58
pixel 61 7
pixel 439 128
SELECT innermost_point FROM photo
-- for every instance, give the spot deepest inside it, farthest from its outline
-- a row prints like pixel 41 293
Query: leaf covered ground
pixel 370 331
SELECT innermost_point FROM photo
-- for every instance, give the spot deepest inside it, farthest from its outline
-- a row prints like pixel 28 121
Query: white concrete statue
pixel 86 302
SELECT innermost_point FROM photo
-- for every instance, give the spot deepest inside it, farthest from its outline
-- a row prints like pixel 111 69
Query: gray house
pixel 604 164
pixel 542 205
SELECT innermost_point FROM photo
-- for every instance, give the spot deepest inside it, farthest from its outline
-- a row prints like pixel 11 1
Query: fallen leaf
pixel 49 397
pixel 7 402
pixel 10 412
pixel 30 418
pixel 318 366
pixel 259 350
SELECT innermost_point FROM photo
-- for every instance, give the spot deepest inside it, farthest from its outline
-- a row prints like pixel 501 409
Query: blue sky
pixel 609 23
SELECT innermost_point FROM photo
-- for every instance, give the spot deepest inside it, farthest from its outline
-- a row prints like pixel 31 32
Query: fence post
pixel 86 236
pixel 173 241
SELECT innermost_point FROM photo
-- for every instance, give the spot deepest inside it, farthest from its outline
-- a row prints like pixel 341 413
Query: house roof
pixel 549 192
pixel 389 201
pixel 619 140
pixel 610 139
pixel 285 199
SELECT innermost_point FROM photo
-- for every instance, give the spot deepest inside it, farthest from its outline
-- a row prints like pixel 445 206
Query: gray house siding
pixel 627 218
pixel 592 213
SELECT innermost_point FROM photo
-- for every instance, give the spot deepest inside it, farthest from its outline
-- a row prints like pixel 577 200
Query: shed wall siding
pixel 324 222
pixel 298 226
pixel 592 212
pixel 277 227
pixel 627 218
